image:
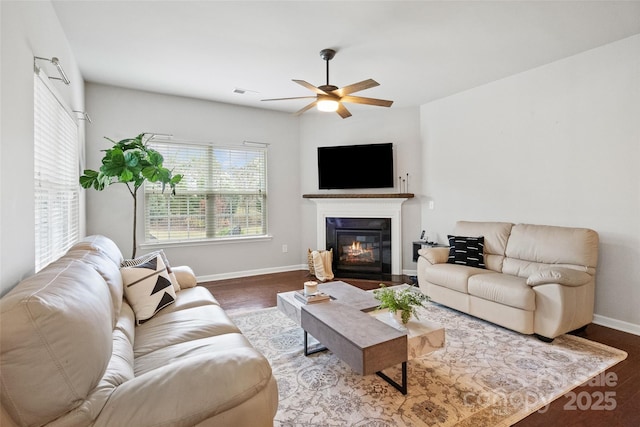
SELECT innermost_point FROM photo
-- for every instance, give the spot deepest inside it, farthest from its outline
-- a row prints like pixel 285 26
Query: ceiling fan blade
pixel 368 101
pixel 310 87
pixel 342 110
pixel 303 109
pixel 365 84
pixel 283 99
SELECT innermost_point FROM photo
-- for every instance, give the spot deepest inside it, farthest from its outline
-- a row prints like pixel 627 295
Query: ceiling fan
pixel 331 98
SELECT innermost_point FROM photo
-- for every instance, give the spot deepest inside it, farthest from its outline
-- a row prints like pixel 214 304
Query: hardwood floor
pixel 583 406
pixel 260 291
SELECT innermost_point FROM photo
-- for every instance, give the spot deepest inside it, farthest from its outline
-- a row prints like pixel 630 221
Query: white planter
pixel 397 318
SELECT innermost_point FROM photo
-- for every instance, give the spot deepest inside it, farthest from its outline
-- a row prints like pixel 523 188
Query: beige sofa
pixel 537 279
pixel 72 354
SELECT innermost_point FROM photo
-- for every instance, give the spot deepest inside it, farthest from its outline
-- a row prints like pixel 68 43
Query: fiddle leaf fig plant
pixel 130 162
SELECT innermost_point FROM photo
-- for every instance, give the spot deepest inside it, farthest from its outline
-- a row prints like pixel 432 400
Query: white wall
pixel 397 125
pixel 28 29
pixel 557 145
pixel 120 113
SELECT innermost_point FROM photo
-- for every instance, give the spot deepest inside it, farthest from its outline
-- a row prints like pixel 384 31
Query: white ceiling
pixel 417 50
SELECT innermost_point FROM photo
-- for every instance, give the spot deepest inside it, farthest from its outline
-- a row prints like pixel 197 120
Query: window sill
pixel 219 241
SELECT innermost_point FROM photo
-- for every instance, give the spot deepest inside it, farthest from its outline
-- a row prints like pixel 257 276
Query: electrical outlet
pixel 431 204
pixel 285 249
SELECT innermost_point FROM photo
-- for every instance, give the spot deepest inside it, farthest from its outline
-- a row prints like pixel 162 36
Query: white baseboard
pixel 270 270
pixel 616 324
pixel 248 273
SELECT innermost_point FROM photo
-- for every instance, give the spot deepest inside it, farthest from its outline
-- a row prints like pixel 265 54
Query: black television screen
pixel 356 166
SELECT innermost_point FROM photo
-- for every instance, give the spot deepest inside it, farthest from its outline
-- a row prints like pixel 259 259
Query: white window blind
pixel 222 194
pixel 56 175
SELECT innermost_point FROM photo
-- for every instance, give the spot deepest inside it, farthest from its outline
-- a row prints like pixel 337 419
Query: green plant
pixel 130 162
pixel 405 301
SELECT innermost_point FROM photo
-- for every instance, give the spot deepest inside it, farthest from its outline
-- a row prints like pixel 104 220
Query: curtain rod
pixel 55 61
pixel 83 115
pixel 169 137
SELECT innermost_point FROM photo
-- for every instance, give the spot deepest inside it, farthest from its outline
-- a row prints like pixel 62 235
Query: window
pixel 222 194
pixel 56 165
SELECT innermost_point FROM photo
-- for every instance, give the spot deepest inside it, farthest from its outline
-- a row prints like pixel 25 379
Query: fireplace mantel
pixel 360 196
pixel 386 205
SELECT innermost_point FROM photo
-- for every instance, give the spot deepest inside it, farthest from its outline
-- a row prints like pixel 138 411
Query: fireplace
pixel 387 206
pixel 361 247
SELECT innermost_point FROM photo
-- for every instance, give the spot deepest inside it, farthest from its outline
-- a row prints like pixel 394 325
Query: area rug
pixel 485 375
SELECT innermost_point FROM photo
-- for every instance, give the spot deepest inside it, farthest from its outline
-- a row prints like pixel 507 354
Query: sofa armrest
pixel 186 277
pixel 435 255
pixel 560 275
pixel 186 392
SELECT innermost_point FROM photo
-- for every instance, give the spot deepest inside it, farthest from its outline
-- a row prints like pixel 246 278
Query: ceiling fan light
pixel 327 105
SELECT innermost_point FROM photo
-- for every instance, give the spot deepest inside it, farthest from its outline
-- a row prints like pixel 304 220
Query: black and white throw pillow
pixel 144 258
pixel 467 251
pixel 148 288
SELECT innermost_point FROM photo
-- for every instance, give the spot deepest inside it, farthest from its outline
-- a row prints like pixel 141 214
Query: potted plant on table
pixel 403 302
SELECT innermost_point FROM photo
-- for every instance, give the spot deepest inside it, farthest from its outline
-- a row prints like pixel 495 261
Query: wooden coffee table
pixel 345 326
pixel 339 291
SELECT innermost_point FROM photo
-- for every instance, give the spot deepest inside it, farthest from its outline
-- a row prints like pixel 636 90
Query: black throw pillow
pixel 467 251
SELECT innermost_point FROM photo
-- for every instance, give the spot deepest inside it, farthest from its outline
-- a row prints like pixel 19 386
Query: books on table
pixel 311 299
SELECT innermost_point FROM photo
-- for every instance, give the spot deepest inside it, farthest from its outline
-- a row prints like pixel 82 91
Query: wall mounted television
pixel 356 166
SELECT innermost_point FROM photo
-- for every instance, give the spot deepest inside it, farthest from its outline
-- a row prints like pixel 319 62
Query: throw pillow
pixel 184 274
pixel 144 258
pixel 467 251
pixel 148 288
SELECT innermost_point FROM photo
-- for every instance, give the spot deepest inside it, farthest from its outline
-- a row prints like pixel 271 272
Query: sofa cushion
pixel 559 275
pixel 452 276
pixel 496 235
pixel 148 288
pixel 467 251
pixel 187 392
pixel 184 350
pixel 118 372
pixel 434 255
pixel 56 341
pixel 503 289
pixel 191 297
pixel 101 244
pixel 532 248
pixel 109 271
pixel 190 324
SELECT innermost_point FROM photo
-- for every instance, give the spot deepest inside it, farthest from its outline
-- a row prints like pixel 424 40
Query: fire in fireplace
pixel 358 252
pixel 361 246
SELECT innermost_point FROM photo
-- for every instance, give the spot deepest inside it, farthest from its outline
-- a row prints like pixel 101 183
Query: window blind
pixel 222 193
pixel 55 175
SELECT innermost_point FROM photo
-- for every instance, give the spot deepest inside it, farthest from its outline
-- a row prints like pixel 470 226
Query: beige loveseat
pixel 536 279
pixel 72 354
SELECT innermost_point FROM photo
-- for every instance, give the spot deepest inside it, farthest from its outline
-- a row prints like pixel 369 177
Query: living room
pixel 557 144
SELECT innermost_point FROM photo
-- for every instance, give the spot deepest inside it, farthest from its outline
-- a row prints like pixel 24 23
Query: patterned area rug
pixel 484 376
